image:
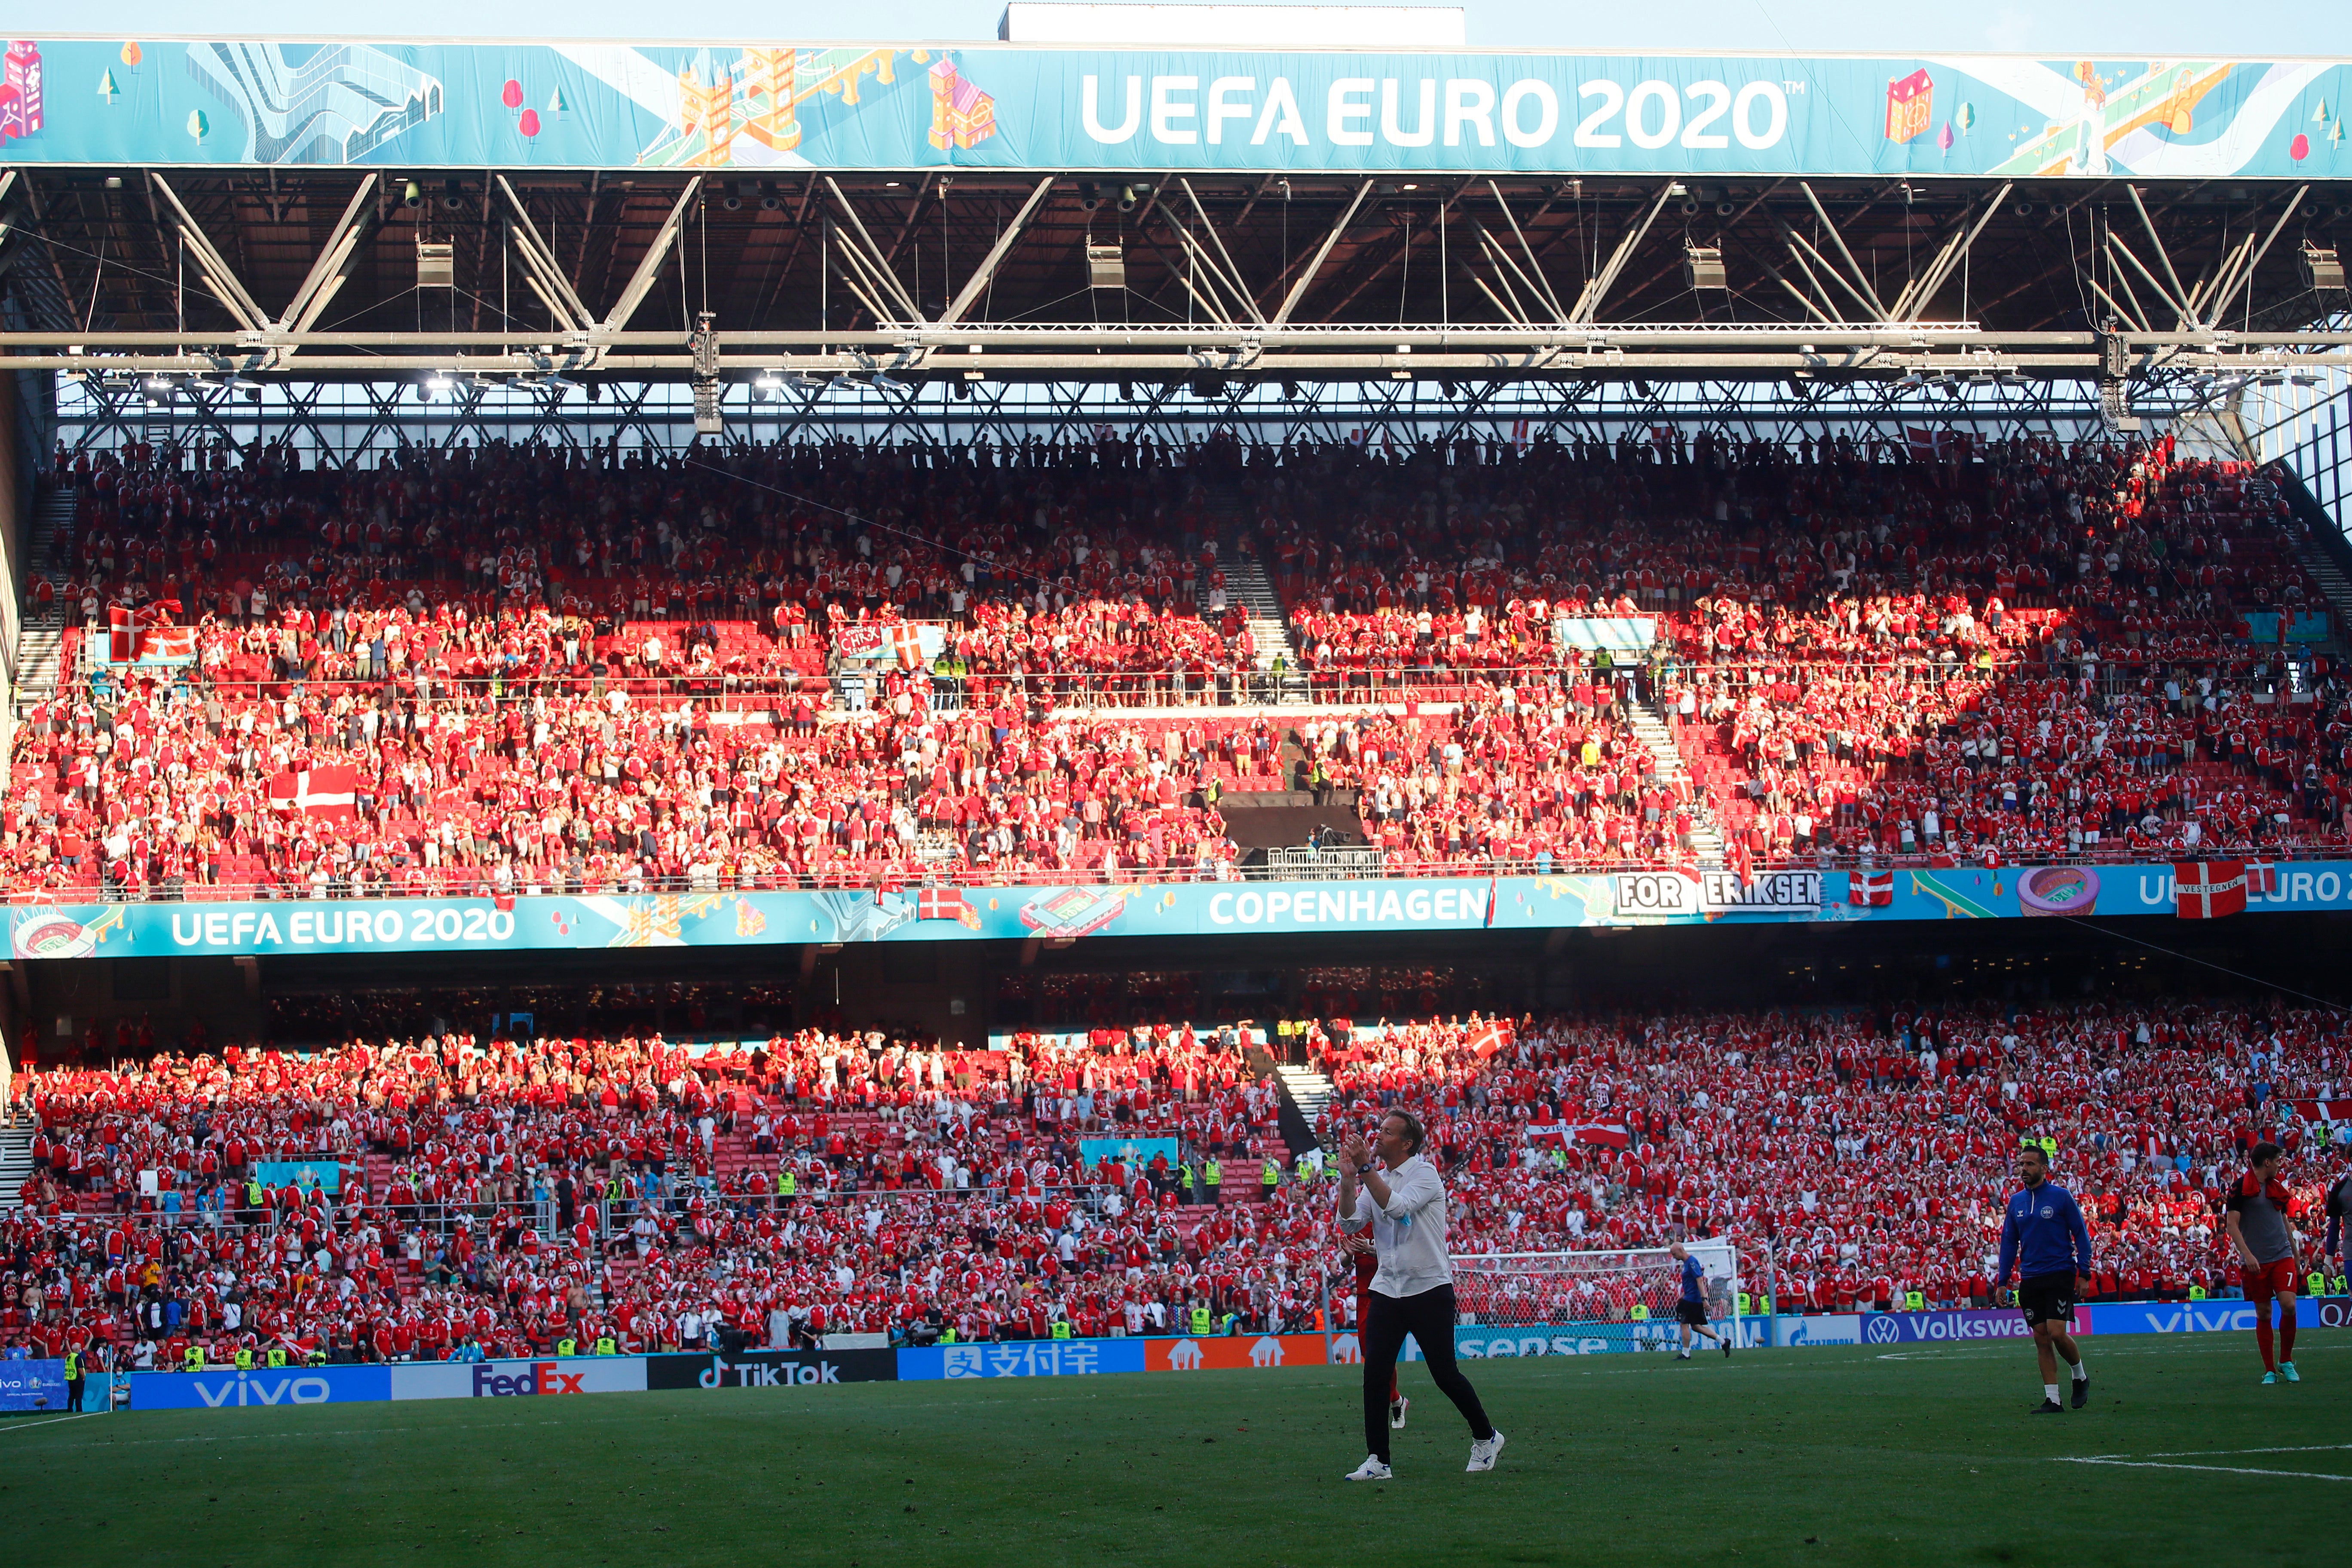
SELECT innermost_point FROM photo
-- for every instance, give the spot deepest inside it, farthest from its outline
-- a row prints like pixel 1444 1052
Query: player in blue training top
pixel 2044 1231
pixel 1690 1306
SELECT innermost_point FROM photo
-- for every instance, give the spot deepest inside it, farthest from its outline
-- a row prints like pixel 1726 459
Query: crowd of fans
pixel 507 1196
pixel 506 668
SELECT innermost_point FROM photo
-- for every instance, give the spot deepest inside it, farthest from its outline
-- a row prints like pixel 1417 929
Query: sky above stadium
pixel 2244 28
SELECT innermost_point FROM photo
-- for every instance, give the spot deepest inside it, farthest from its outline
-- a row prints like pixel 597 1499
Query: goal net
pixel 1554 1303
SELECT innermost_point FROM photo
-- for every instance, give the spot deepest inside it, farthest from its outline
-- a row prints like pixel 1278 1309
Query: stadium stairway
pixel 1247 583
pixel 1304 1092
pixel 41 634
pixel 1706 837
pixel 2333 585
pixel 15 1163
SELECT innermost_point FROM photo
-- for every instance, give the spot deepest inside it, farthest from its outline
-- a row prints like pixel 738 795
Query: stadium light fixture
pixel 770 381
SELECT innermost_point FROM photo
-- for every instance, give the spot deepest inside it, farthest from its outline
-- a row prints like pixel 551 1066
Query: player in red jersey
pixel 1367 1263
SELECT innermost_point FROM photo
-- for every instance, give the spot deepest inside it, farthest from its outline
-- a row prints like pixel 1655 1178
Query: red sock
pixel 2262 1338
pixel 2286 1333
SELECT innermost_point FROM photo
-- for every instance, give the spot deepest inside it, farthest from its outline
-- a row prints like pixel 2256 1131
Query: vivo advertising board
pixel 262 1387
pixel 517 1379
pixel 32 1385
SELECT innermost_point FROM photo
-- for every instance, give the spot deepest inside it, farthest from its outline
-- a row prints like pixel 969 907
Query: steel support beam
pixel 1596 289
pixel 981 279
pixel 220 278
pixel 1306 276
pixel 649 266
pixel 541 271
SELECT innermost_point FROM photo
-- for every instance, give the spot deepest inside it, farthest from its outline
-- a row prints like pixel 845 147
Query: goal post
pixel 1553 1303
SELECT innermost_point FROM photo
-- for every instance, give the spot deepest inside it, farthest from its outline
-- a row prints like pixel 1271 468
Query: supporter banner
pixel 758 105
pixel 263 1386
pixel 1189 909
pixel 1022 1358
pixel 772 1369
pixel 325 1172
pixel 903 643
pixel 1716 892
pixel 1920 1328
pixel 517 1379
pixel 1128 1150
pixel 1224 1352
pixel 27 1385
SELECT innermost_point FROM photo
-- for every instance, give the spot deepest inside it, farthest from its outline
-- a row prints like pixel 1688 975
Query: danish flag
pixel 2209 890
pixel 2261 878
pixel 1488 1038
pixel 907 642
pixel 330 792
pixel 1875 887
pixel 946 904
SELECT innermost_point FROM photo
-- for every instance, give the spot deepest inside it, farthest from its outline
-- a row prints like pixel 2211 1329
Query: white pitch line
pixel 2220 1470
pixel 2221 1453
pixel 52 1421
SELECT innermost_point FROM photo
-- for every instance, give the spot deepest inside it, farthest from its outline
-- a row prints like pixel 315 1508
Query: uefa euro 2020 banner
pixel 771 104
pixel 1067 913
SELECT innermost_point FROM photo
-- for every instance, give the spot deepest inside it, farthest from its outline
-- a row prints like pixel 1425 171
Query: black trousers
pixel 1428 1319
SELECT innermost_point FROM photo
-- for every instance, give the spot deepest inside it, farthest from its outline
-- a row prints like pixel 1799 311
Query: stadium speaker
pixel 2023 209
pixel 1128 195
pixel 2344 209
pixel 733 200
pixel 2323 270
pixel 1089 195
pixel 1208 386
pixel 1127 392
pixel 595 392
pixel 1691 207
pixel 1446 387
pixel 1725 209
pixel 770 200
pixel 412 194
pixel 1291 390
pixel 453 196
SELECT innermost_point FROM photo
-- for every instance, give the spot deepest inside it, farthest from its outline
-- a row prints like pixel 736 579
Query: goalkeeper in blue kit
pixel 2043 1238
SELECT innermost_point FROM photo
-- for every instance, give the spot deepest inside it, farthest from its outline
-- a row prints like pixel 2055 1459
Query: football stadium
pixel 1074 798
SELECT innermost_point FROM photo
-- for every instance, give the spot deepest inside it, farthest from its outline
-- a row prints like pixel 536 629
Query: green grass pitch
pixel 1919 1458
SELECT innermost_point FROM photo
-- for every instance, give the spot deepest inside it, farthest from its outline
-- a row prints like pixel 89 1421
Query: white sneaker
pixel 1397 1408
pixel 1485 1452
pixel 1374 1470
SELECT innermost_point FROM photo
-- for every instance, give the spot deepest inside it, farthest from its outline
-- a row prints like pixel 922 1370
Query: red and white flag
pixel 2324 1110
pixel 1488 1038
pixel 1871 888
pixel 2209 890
pixel 131 633
pixel 946 904
pixel 2261 878
pixel 1611 1134
pixel 330 792
pixel 907 642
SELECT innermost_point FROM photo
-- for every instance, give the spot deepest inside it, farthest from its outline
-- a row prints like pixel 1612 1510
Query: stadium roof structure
pixel 357 210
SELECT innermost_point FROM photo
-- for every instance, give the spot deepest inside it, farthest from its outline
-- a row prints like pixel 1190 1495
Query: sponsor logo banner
pixel 1828 1329
pixel 263 1386
pixel 2175 1317
pixel 33 1385
pixel 517 1379
pixel 1220 1352
pixel 1022 1358
pixel 772 1369
pixel 1922 1328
